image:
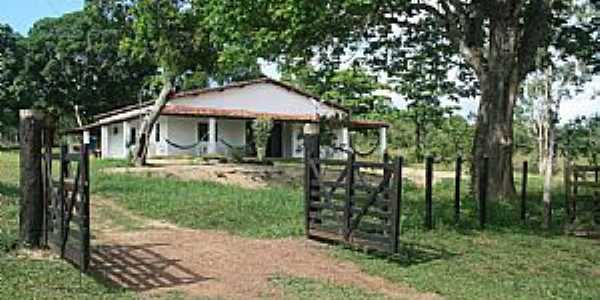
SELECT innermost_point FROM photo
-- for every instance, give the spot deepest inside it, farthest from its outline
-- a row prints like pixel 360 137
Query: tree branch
pixel 533 34
pixel 458 24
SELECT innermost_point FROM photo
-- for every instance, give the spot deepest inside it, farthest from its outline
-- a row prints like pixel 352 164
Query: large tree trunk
pixel 541 143
pixel 547 197
pixel 549 161
pixel 499 80
pixel 141 149
pixel 494 139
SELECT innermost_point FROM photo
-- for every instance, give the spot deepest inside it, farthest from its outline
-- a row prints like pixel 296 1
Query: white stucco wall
pixel 182 131
pixel 115 142
pixel 262 98
pixel 233 132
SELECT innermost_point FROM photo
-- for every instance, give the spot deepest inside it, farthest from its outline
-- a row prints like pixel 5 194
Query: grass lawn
pixel 508 260
pixel 262 213
pixel 26 278
pixel 297 288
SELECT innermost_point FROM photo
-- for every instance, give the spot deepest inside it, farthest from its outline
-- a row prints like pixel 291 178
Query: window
pixel 157 132
pixel 203 132
pixel 132 137
pixel 115 130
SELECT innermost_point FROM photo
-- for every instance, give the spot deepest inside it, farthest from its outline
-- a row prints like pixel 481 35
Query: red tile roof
pixel 181 110
pixel 191 111
pixel 366 124
pixel 240 84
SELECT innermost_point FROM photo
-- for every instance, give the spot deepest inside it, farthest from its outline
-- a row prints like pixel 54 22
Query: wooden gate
pixel 67 205
pixel 354 202
pixel 582 185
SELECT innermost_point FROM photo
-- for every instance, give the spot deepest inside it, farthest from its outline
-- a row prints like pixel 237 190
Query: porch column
pixel 125 138
pixel 212 136
pixel 346 140
pixel 104 141
pixel 382 140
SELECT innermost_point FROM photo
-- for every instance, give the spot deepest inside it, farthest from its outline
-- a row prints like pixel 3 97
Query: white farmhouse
pixel 217 120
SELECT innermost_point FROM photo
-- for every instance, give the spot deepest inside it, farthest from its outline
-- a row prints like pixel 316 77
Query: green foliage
pixel 261 127
pixel 169 34
pixel 453 137
pixel 353 88
pixel 580 139
pixel 438 133
pixel 11 61
pixel 9 196
pixel 74 60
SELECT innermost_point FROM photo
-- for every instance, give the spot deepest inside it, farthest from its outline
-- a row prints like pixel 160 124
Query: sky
pixel 22 14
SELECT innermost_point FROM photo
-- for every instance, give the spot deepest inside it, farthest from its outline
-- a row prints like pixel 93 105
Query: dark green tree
pixel 496 39
pixel 11 57
pixel 172 35
pixel 74 61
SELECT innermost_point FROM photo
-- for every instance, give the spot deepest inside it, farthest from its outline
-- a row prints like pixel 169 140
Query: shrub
pixel 262 130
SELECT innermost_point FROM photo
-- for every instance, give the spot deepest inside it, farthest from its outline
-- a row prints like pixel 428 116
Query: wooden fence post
pixel 311 157
pixel 348 205
pixel 575 193
pixel 396 205
pixel 64 173
pixel 429 192
pixel 483 185
pixel 568 190
pixel 457 179
pixel 85 203
pixel 31 210
pixel 524 192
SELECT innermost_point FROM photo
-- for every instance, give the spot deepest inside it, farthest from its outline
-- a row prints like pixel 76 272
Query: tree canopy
pixel 11 57
pixel 495 41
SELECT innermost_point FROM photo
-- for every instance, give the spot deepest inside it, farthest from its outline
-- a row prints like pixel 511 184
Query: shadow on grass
pixel 417 253
pixel 9 190
pixel 139 268
pixel 409 254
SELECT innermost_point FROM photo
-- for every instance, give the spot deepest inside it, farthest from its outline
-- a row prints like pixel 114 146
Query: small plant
pixel 262 130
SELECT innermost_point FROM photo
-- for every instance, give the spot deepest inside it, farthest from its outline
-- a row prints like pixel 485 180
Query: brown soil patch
pixel 256 176
pixel 247 176
pixel 217 264
pixel 162 257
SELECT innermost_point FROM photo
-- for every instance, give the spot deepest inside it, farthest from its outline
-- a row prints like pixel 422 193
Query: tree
pixel 496 39
pixel 353 88
pixel 547 89
pixel 580 139
pixel 73 62
pixel 11 53
pixel 261 128
pixel 172 35
pixel 419 72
